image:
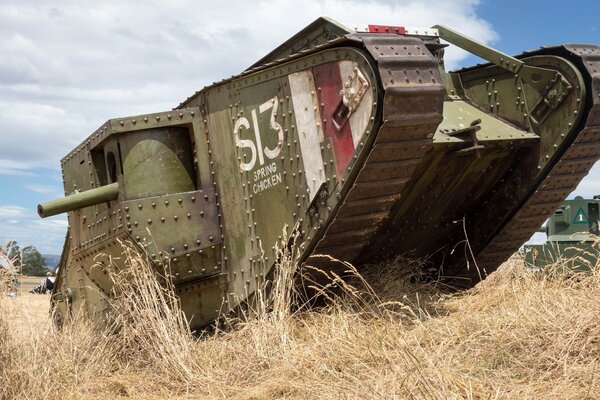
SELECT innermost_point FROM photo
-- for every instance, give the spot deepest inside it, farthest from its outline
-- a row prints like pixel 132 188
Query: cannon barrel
pixel 79 200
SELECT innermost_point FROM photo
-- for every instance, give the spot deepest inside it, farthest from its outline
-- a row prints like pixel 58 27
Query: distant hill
pixel 52 260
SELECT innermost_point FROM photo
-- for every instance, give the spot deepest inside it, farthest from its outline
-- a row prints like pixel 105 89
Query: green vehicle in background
pixel 572 237
pixel 357 137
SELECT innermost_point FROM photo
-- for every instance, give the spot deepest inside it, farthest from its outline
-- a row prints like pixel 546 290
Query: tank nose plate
pixel 182 229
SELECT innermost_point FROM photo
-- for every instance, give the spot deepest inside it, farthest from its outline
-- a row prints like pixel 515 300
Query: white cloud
pixel 12 211
pixel 39 188
pixel 66 69
pixel 590 185
pixel 27 228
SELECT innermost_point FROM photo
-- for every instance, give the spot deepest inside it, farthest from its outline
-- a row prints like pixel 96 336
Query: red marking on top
pixel 400 30
pixel 328 82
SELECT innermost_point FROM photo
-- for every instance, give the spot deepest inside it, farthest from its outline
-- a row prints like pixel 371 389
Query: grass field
pixel 517 335
pixel 29 282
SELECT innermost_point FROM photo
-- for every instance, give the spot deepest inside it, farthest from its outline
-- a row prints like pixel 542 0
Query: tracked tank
pixel 572 233
pixel 355 135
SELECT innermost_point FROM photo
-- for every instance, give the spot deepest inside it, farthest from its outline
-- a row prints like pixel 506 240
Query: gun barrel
pixel 79 200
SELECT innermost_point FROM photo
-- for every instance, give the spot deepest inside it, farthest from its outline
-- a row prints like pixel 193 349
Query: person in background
pixel 46 286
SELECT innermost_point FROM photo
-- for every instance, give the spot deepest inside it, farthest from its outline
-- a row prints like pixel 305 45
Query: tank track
pixel 412 110
pixel 564 176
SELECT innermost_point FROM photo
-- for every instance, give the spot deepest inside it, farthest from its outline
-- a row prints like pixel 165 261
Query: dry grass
pixel 519 335
pixel 9 271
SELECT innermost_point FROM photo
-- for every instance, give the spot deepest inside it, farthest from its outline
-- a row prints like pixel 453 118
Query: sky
pixel 68 66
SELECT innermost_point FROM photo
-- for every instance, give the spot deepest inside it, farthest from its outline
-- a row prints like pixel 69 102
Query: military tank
pixel 572 233
pixel 359 138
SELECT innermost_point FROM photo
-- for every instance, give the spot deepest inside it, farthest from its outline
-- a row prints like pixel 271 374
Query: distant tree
pixel 33 263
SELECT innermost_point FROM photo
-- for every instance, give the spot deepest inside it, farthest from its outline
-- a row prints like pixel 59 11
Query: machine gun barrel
pixel 79 200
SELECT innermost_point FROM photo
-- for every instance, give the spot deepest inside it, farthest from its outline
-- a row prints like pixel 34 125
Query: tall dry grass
pixel 384 334
pixel 10 272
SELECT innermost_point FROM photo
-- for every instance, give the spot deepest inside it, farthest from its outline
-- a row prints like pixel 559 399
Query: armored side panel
pixel 166 203
pixel 276 159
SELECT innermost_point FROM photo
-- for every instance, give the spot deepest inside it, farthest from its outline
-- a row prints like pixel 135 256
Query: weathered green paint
pixel 561 256
pixel 536 77
pixel 571 233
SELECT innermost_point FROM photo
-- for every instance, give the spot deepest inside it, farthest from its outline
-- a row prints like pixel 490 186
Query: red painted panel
pixel 328 83
pixel 400 30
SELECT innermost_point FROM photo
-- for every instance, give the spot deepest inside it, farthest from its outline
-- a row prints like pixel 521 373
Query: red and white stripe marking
pixel 316 95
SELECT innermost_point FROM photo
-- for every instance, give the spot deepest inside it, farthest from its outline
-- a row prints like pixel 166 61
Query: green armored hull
pixel 572 238
pixel 573 256
pixel 359 137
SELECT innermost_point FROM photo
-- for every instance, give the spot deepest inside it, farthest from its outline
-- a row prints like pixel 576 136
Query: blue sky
pixel 69 66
